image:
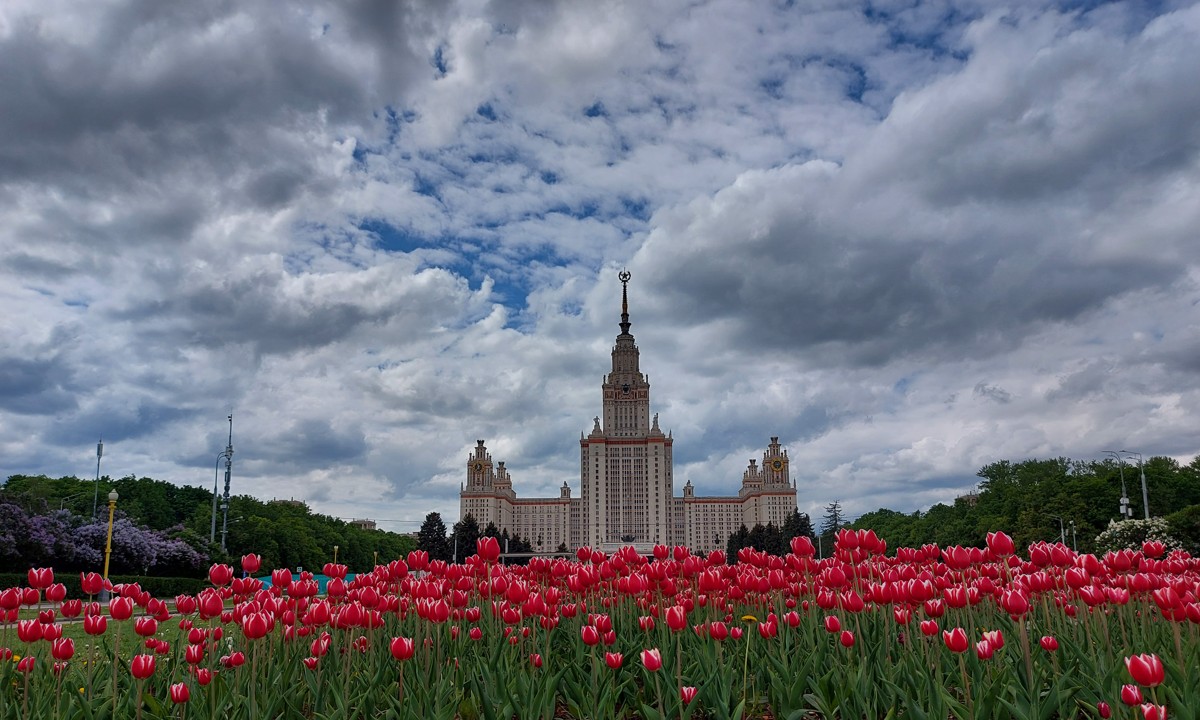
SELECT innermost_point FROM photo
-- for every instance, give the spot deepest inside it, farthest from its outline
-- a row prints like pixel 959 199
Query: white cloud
pixel 908 241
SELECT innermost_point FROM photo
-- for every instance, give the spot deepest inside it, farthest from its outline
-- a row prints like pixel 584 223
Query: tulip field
pixel 921 633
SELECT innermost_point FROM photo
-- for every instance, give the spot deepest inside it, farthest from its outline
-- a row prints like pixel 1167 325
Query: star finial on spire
pixel 624 276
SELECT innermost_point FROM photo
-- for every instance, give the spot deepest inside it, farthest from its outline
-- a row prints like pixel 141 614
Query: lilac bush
pixel 64 540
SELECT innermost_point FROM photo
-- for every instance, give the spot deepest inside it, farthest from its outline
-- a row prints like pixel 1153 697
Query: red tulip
pixel 1014 602
pixel 984 650
pixel 281 578
pixel 1150 548
pixel 1150 711
pixel 95 624
pixel 220 575
pixel 646 623
pixel 613 659
pixel 251 563
pixel 652 659
pixel 847 639
pixel 803 547
pixel 145 626
pixel 209 603
pixel 676 618
pixel 180 693
pixel 688 694
pixel 311 662
pixel 535 660
pixel 204 676
pixel 590 635
pixel 402 648
pixel 1104 710
pixel 1000 544
pixel 488 549
pixel 929 628
pixel 956 639
pixel 41 578
pixel 1146 669
pixel 257 625
pixel 832 624
pixel 194 654
pixel 120 608
pixel 25 664
pixel 142 666
pixel 72 608
pixel 717 630
pixel 1049 643
pixel 1131 695
pixel 768 629
pixel 30 631
pixel 63 649
pixel 995 638
pixel 475 633
pixel 56 592
pixel 91 583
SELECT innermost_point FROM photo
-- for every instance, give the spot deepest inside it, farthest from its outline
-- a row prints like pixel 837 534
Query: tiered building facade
pixel 626 479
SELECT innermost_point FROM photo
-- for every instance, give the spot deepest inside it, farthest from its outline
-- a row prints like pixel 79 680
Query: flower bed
pixel 923 633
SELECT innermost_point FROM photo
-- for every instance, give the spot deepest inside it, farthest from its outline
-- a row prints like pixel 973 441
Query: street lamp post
pixel 1126 511
pixel 1062 534
pixel 335 549
pixel 1142 472
pixel 96 491
pixel 1074 538
pixel 227 454
pixel 228 471
pixel 112 507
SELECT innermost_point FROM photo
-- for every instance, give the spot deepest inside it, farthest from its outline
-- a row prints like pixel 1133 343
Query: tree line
pixel 1065 500
pixel 164 529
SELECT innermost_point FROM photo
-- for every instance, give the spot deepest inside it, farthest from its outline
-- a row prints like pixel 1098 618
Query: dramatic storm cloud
pixel 908 239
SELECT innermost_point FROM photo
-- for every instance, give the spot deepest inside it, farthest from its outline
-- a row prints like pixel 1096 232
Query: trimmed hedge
pixel 159 587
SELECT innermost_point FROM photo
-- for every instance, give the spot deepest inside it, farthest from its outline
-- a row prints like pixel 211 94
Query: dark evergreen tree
pixel 797 524
pixel 491 531
pixel 432 538
pixel 833 518
pixel 773 541
pixel 757 537
pixel 466 533
pixel 737 541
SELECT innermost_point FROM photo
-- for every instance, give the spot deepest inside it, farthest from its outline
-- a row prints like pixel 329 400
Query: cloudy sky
pixel 907 238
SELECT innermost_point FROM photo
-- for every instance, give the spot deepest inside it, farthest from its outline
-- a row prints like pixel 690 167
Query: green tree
pixel 833 518
pixel 432 537
pixel 466 533
pixel 737 541
pixel 797 524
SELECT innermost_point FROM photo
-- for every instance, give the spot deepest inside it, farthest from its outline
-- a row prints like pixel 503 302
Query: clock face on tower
pixel 478 467
pixel 777 464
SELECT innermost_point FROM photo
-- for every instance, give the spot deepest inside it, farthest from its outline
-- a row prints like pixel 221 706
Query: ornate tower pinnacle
pixel 624 277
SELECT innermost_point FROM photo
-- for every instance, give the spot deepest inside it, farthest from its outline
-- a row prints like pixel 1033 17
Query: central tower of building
pixel 625 462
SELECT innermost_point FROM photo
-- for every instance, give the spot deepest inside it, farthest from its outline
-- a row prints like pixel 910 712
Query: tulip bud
pixel 652 659
pixel 1131 695
pixel 1145 669
pixel 142 666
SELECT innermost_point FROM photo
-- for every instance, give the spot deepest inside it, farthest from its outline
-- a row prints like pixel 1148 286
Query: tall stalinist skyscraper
pixel 625 462
pixel 626 479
